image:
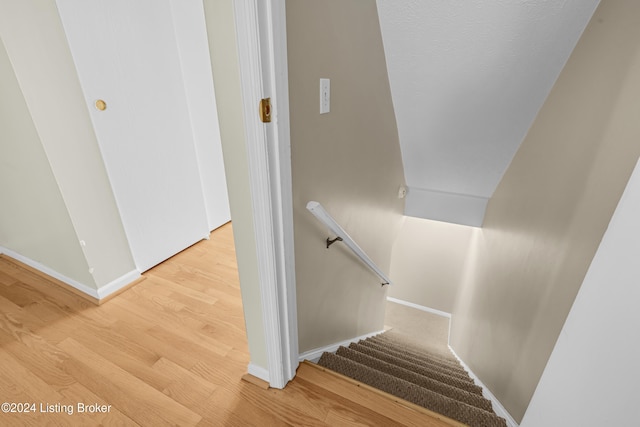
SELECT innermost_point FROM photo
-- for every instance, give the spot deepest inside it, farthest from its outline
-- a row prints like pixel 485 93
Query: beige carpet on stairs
pixel 413 362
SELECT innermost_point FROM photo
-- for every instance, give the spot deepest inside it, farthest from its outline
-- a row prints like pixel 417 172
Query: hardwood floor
pixel 170 351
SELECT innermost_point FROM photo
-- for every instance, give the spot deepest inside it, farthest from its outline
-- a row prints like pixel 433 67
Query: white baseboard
pixel 92 292
pixel 497 406
pixel 314 355
pixel 98 294
pixel 116 285
pixel 420 307
pixel 258 372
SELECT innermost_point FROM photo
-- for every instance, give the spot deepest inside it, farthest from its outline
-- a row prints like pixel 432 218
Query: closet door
pixel 126 55
pixel 193 45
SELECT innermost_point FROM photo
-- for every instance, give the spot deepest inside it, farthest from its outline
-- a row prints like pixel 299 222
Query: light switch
pixel 325 96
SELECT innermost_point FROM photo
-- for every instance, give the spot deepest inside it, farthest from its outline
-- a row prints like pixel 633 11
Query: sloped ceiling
pixel 467 80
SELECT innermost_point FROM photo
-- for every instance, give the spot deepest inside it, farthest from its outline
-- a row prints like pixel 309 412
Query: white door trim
pixel 262 48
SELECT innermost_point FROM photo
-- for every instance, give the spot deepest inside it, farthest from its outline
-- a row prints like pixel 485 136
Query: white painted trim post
pixel 275 34
pixel 261 32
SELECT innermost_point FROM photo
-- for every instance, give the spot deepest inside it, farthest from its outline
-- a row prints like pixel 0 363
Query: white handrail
pixel 323 216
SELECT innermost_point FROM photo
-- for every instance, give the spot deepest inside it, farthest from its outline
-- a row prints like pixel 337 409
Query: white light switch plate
pixel 325 96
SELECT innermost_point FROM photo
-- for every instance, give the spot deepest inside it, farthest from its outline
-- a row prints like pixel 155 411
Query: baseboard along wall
pixel 497 406
pixel 420 307
pixel 96 296
pixel 314 355
pixel 258 372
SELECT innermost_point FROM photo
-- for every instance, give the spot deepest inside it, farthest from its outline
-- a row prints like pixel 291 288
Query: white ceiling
pixel 467 80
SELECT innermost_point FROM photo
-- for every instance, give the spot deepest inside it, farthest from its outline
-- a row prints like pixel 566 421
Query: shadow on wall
pixel 428 262
pixel 518 276
pixel 550 211
pixel 348 160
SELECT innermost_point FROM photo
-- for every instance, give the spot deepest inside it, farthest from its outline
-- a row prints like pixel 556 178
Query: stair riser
pixel 457 372
pixel 450 361
pixel 405 390
pixel 427 372
pixel 420 380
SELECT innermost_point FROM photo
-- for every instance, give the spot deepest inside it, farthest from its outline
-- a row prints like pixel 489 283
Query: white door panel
pixel 191 35
pixel 126 54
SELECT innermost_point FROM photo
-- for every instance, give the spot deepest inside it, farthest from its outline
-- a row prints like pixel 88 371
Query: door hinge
pixel 265 110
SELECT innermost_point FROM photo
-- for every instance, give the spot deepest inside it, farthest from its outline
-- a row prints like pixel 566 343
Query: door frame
pixel 262 49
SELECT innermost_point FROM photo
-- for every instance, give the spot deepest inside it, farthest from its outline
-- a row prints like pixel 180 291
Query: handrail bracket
pixel 331 242
pixel 342 236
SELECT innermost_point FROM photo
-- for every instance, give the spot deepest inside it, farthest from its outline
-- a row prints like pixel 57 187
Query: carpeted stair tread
pixel 474 417
pixel 434 355
pixel 424 356
pixel 415 378
pixel 456 373
pixel 433 358
pixel 411 344
pixel 417 368
pixel 443 355
pixel 439 354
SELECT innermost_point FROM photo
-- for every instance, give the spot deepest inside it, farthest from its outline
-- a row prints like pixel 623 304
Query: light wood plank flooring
pixel 170 351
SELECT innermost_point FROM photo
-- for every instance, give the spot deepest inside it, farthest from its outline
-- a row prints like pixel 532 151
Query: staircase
pixel 430 378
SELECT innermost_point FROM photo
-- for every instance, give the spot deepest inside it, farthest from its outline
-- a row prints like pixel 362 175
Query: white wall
pixel 467 80
pixel 592 376
pixel 34 221
pixel 428 262
pixel 37 47
pixel 349 160
pixel 548 215
pixel 543 225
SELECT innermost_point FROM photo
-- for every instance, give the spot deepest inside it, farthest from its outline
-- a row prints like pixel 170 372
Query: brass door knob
pixel 101 105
